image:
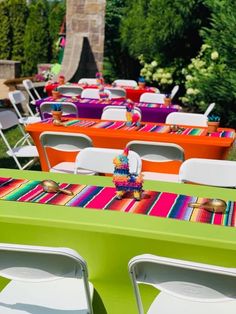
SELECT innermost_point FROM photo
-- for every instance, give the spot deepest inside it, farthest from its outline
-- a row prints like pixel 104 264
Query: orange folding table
pixel 195 141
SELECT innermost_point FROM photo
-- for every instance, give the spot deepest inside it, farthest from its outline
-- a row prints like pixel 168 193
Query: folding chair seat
pixel 158 153
pixel 50 280
pixel 117 113
pixel 185 286
pixel 221 173
pixel 23 147
pixel 17 98
pixel 64 142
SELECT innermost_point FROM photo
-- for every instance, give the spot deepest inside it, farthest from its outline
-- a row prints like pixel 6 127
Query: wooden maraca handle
pixel 197 205
pixel 66 191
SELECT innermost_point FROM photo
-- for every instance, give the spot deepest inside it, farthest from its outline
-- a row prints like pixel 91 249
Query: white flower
pixel 154 64
pixel 214 55
pixel 168 75
pixel 190 91
pixel 163 81
pixel 204 47
pixel 189 77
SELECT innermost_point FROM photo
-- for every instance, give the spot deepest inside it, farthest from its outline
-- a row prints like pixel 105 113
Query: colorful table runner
pixel 121 125
pixel 160 204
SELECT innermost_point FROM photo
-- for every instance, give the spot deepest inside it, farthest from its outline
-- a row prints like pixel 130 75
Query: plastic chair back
pixel 117 113
pixel 209 109
pixel 90 93
pixel 152 98
pixel 101 160
pixel 174 91
pixel 184 118
pixel 67 108
pixel 116 92
pixel 31 90
pixel 130 83
pixel 8 119
pixel 38 264
pixel 181 282
pixel 17 98
pixel 157 151
pixel 89 81
pixel 66 142
pixel 70 90
pixel 221 173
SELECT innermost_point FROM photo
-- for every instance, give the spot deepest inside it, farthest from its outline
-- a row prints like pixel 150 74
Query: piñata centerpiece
pixel 124 180
pixel 132 117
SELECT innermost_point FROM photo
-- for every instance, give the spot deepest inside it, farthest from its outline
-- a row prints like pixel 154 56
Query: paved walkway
pixel 3 89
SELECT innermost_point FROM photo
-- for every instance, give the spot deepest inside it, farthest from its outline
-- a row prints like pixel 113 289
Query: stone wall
pixel 9 69
pixel 85 22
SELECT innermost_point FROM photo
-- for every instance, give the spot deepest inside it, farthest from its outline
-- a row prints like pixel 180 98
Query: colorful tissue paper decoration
pixel 132 117
pixel 124 180
pixel 103 94
pixel 141 82
pixel 61 80
pixel 100 79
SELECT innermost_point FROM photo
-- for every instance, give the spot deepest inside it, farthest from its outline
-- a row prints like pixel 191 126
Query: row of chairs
pixel 56 280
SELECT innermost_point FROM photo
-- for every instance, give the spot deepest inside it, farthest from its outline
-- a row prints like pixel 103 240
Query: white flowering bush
pixel 152 73
pixel 200 76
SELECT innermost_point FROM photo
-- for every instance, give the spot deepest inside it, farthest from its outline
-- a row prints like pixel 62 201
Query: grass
pixel 14 134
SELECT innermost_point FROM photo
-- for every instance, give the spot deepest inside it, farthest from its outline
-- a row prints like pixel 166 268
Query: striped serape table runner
pixel 121 125
pixel 160 204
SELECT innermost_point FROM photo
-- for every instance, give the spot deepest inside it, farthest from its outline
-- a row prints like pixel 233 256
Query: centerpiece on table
pixel 61 80
pixel 141 82
pixel 167 100
pixel 55 94
pixel 103 94
pixel 99 78
pixel 56 113
pixel 213 123
pixel 124 180
pixel 132 117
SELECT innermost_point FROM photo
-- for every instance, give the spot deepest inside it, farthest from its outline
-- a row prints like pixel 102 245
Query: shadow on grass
pixel 9 163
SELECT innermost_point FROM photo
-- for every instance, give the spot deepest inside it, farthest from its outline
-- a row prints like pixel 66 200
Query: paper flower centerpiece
pixel 141 82
pixel 100 79
pixel 56 113
pixel 132 117
pixel 213 123
pixel 124 180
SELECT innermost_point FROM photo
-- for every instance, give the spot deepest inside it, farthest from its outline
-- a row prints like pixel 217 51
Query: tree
pixel 18 13
pixel 36 38
pixel 56 16
pixel 164 30
pixel 5 35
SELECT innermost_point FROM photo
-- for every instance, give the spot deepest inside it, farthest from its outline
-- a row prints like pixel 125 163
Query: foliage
pixel 154 73
pixel 18 13
pixel 55 18
pixel 36 39
pixel 211 76
pixel 117 63
pixel 5 39
pixel 163 30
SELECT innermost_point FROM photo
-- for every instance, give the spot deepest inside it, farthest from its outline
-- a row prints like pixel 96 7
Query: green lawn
pixel 14 134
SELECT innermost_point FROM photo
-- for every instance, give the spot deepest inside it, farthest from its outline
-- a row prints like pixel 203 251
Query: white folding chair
pixel 185 118
pixel 158 152
pixel 116 92
pixel 152 98
pixel 31 90
pixel 44 280
pixel 130 83
pixel 64 142
pixel 174 91
pixel 23 147
pixel 89 81
pixel 221 173
pixel 67 108
pixel 209 109
pixel 117 113
pixel 69 90
pixel 90 93
pixel 100 160
pixel 17 98
pixel 185 286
